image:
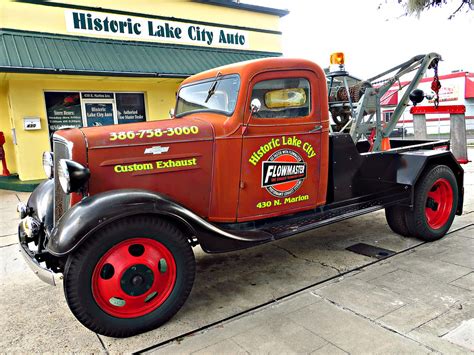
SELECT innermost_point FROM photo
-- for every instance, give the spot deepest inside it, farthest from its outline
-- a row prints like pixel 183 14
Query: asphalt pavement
pixel 303 294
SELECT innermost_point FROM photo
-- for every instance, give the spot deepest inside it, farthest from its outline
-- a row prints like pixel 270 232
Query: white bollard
pixel 458 137
pixel 419 126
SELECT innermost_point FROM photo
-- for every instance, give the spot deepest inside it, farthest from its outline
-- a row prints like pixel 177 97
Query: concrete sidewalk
pixel 419 301
pixel 413 302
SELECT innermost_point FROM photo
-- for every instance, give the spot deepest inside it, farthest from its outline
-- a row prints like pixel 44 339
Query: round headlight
pixel 72 176
pixel 63 176
pixel 48 163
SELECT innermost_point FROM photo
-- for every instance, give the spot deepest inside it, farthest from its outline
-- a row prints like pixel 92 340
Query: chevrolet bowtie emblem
pixel 157 150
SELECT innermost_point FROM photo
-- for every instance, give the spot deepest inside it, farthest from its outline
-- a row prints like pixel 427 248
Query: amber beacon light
pixel 337 58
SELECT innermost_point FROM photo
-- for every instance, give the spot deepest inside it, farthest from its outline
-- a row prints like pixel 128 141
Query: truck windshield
pixel 216 95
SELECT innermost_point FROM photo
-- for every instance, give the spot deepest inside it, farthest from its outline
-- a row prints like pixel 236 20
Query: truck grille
pixel 61 200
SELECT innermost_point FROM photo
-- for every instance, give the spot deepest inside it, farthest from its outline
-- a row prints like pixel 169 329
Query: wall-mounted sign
pixel 31 123
pixel 97 95
pixel 139 28
pixel 449 91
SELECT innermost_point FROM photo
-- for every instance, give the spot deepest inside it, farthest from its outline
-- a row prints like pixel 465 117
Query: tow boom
pixel 360 111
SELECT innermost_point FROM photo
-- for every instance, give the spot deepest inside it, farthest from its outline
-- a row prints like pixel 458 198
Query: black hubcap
pixel 430 203
pixel 137 280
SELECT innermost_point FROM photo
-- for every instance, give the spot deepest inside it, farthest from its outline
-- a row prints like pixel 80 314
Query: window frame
pixel 315 113
pixel 209 80
pixel 389 114
pixel 308 97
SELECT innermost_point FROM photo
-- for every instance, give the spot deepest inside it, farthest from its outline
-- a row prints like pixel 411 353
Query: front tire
pixel 435 201
pixel 130 277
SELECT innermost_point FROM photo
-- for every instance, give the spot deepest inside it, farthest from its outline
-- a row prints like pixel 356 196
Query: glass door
pixel 98 109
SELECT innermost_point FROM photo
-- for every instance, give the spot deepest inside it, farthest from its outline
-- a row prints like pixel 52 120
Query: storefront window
pixel 130 107
pixel 99 114
pixel 63 110
pixel 91 109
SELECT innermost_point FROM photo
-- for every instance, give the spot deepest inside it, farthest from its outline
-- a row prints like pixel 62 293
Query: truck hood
pixel 148 133
pixel 170 157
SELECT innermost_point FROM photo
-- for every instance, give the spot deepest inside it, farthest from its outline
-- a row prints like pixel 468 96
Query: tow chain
pixel 436 84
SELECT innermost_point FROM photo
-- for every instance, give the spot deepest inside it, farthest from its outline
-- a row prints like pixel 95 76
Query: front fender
pixel 93 213
pixel 41 202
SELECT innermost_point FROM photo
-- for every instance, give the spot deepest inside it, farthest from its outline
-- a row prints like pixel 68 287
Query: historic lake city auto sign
pixel 111 25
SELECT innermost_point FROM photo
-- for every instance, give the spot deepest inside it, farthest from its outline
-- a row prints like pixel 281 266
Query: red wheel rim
pixel 134 278
pixel 439 203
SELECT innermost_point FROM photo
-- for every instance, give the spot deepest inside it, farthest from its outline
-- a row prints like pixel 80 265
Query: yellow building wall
pixel 51 19
pixel 22 95
pixel 26 94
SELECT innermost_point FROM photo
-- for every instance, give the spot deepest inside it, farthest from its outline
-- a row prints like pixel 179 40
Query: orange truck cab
pixel 247 158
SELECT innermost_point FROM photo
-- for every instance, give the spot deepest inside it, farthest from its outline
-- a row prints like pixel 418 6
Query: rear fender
pixel 85 218
pixel 414 163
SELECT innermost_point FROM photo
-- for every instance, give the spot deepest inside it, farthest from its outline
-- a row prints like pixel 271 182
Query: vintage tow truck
pixel 247 158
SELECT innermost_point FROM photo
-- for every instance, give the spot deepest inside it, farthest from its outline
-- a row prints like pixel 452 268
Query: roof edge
pixel 29 70
pixel 13 31
pixel 247 7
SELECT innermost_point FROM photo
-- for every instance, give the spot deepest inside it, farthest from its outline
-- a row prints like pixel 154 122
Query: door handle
pixel 316 129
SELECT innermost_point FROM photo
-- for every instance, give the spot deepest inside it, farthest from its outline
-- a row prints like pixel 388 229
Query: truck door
pixel 280 171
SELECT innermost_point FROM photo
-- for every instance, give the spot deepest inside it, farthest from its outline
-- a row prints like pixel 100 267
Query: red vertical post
pixel 3 158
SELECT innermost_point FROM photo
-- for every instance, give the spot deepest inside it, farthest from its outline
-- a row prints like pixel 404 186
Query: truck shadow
pixel 231 283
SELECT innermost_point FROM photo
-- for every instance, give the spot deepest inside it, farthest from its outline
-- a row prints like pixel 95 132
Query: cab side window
pixel 283 98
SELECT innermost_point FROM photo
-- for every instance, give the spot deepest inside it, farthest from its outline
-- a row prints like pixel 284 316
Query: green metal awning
pixel 33 52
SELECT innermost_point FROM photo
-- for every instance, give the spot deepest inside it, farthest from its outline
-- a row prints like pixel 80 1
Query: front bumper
pixel 43 273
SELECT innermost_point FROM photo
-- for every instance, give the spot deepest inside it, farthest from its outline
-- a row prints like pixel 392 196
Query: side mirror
pixel 171 112
pixel 255 106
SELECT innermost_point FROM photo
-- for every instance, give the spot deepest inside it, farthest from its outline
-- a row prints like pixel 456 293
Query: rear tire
pixel 130 277
pixel 435 202
pixel 395 216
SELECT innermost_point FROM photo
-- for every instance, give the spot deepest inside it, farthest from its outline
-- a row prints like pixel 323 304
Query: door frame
pixel 85 101
pixel 278 127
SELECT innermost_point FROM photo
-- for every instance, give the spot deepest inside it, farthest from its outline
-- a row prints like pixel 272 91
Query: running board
pixel 246 234
pixel 282 229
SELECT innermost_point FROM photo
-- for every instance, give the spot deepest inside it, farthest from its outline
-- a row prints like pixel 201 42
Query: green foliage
pixel 417 6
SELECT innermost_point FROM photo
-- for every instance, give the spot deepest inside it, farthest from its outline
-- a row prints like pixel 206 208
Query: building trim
pixel 140 14
pixel 122 41
pixel 462 74
pixel 25 70
pixel 247 7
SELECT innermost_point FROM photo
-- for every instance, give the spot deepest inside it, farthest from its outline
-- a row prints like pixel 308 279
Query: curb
pixel 13 183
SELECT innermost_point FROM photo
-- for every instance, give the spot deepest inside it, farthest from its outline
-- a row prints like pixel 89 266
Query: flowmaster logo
pixel 283 173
